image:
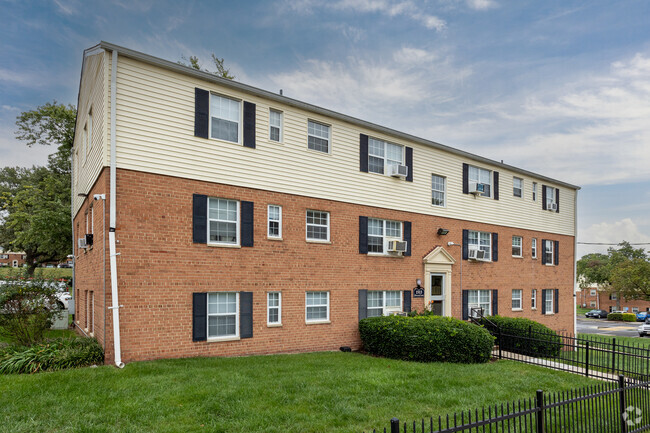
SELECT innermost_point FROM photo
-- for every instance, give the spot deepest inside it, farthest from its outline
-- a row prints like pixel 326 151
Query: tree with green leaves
pixel 35 202
pixel 221 70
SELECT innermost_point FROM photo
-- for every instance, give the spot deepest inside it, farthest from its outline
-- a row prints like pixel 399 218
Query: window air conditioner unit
pixel 395 313
pixel 552 207
pixel 400 171
pixel 475 254
pixel 82 243
pixel 476 188
pixel 89 239
pixel 397 246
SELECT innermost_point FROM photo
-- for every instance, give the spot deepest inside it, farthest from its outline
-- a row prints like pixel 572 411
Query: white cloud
pixel 481 5
pixel 68 7
pixel 610 233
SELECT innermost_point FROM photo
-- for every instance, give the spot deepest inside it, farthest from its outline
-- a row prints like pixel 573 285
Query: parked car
pixel 645 328
pixel 598 314
pixel 641 316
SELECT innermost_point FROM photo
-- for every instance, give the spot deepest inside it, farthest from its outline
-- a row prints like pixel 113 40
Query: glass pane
pixel 319 144
pixel 275 133
pixel 375 244
pixel 274 213
pixel 274 316
pixel 221 326
pixel 375 299
pixel 375 165
pixel 436 285
pixel 438 198
pixel 375 227
pixel 394 229
pixel 223 232
pixel 274 299
pixel 317 232
pixel 224 108
pixel 316 298
pixel 393 298
pixel 275 119
pixel 375 312
pixel 394 153
pixel 225 129
pixel 316 313
pixel 376 148
pixel 274 228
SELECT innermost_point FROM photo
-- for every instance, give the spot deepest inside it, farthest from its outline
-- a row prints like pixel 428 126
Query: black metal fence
pixel 615 407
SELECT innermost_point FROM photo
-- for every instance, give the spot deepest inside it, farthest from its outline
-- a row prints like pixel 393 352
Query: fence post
pixel 500 342
pixel 623 403
pixel 587 359
pixel 394 425
pixel 614 355
pixel 541 425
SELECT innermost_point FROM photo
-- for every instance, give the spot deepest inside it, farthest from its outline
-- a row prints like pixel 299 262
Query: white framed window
pixel 635 309
pixel 534 191
pixel 382 154
pixel 592 304
pixel 438 188
pixel 517 248
pixel 318 136
pixel 592 292
pixel 480 241
pixel 275 125
pixel 379 302
pixel 480 175
pixel 533 299
pixel 223 221
pixel 516 299
pixel 274 308
pixel 534 248
pixel 317 306
pixel 517 187
pixel 223 315
pixel 550 196
pixel 274 226
pixel 614 297
pixel 549 302
pixel 480 299
pixel 15 263
pixel 549 252
pixel 225 115
pixel 380 232
pixel 318 226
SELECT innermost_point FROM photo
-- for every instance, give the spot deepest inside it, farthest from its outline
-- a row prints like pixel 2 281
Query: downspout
pixel 575 262
pixel 115 305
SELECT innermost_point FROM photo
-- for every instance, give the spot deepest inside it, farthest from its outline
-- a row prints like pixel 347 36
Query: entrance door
pixel 437 294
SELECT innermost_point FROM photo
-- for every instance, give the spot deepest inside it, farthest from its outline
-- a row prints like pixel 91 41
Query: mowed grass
pixel 316 392
pixel 43 272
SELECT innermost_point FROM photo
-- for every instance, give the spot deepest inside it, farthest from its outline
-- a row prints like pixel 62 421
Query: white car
pixel 645 328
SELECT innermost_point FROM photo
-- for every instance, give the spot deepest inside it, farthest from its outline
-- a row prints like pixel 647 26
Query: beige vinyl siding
pixel 92 94
pixel 155 133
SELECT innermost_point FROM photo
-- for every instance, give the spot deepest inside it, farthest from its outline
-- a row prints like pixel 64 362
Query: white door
pixel 437 294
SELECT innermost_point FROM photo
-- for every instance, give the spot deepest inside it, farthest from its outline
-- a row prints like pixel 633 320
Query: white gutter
pixel 115 305
pixel 575 262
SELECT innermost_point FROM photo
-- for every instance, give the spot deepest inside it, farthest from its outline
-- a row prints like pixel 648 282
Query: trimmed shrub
pixel 53 355
pixel 426 339
pixel 615 316
pixel 526 336
pixel 625 317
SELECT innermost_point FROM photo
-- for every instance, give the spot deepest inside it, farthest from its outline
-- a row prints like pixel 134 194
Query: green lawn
pixel 45 272
pixel 317 392
pixel 581 311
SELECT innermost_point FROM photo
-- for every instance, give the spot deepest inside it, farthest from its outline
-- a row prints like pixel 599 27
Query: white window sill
pixel 219 339
pixel 439 206
pixel 517 257
pixel 396 255
pixel 316 241
pixel 274 325
pixel 534 308
pixel 224 245
pixel 549 264
pixel 271 238
pixel 549 314
pixel 517 309
pixel 317 322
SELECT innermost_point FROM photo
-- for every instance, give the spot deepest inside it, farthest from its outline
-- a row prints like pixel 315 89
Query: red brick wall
pixel 159 268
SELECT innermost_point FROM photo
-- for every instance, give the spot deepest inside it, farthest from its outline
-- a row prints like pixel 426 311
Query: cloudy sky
pixel 561 88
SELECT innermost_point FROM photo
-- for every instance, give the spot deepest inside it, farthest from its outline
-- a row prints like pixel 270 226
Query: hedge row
pixel 625 317
pixel 526 336
pixel 426 339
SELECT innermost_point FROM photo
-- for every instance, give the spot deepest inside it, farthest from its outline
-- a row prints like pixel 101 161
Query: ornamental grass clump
pixel 52 355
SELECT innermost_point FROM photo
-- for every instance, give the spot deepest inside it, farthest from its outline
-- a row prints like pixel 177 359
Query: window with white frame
pixel 380 232
pixel 516 299
pixel 225 116
pixel 317 306
pixel 382 154
pixel 592 292
pixel 614 297
pixel 517 246
pixel 534 248
pixel 223 221
pixel 533 299
pixel 275 125
pixel 274 308
pixel 549 302
pixel 534 191
pixel 223 317
pixel 550 196
pixel 635 309
pixel 318 136
pixel 592 304
pixel 318 226
pixel 274 221
pixel 381 301
pixel 480 299
pixel 548 252
pixel 438 190
pixel 483 176
pixel 480 241
pixel 517 187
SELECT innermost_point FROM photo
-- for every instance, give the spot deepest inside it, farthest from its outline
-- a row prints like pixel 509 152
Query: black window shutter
pixel 199 219
pixel 201 112
pixel 363 235
pixel 465 178
pixel 556 252
pixel 544 197
pixel 363 153
pixel 543 301
pixel 556 300
pixel 199 316
pixel 543 251
pixel 465 304
pixel 246 314
pixel 496 185
pixel 407 301
pixel 495 247
pixel 409 164
pixel 407 237
pixel 363 304
pixel 247 223
pixel 249 124
pixel 495 302
pixel 465 247
pixel 557 199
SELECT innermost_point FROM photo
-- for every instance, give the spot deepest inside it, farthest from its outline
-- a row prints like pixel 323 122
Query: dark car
pixel 598 314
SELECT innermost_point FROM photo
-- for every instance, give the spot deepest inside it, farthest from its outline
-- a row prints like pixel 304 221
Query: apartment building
pixel 212 218
pixel 11 259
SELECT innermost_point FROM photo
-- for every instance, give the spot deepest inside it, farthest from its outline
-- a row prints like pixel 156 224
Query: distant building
pixel 12 259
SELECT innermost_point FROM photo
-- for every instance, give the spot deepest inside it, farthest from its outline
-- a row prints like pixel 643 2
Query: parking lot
pixel 603 327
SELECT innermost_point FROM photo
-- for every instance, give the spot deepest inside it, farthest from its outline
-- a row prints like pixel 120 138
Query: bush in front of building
pixel 525 336
pixel 426 339
pixel 625 317
pixel 52 355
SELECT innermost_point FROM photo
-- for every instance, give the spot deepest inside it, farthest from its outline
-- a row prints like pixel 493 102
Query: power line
pixel 603 243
